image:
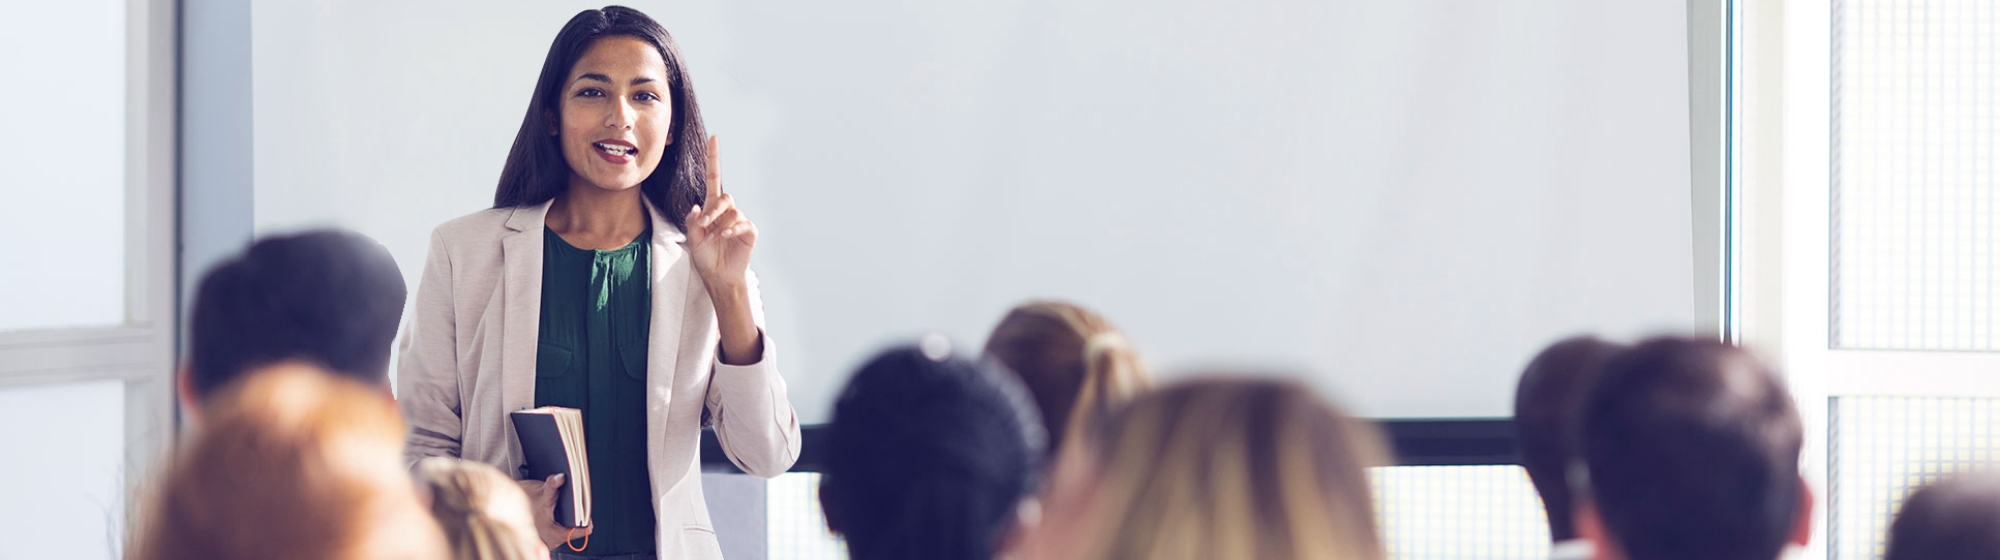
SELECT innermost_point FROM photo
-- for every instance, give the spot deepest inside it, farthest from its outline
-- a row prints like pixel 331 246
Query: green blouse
pixel 592 357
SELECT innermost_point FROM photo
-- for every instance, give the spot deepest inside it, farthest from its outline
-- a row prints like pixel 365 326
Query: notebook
pixel 552 443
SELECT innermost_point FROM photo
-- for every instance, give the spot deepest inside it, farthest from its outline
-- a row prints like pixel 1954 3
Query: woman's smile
pixel 617 152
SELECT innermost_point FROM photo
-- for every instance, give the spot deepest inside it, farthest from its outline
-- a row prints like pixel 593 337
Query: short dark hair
pixel 928 456
pixel 536 172
pixel 1546 404
pixel 331 298
pixel 1692 448
pixel 1957 518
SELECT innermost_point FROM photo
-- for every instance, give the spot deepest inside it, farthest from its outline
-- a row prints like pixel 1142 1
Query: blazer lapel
pixel 670 272
pixel 521 255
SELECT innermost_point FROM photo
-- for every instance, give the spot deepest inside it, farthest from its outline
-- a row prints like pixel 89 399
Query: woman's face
pixel 617 114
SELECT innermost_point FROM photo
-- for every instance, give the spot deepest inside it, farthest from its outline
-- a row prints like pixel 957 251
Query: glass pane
pixel 1884 447
pixel 68 500
pixel 798 528
pixel 1487 511
pixel 1914 145
pixel 64 156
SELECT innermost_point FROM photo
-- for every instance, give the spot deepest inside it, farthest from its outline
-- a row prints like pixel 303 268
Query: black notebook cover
pixel 542 448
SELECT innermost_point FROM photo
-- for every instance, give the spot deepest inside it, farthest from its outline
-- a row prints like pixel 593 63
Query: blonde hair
pixel 1233 468
pixel 292 462
pixel 1075 363
pixel 484 514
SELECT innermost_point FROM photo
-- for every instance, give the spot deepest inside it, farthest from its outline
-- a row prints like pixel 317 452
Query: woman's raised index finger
pixel 714 171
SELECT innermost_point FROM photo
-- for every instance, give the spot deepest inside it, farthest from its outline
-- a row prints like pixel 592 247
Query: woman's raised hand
pixel 720 237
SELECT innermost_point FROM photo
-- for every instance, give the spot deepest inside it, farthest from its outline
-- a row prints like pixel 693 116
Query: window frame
pixel 139 353
pixel 1784 161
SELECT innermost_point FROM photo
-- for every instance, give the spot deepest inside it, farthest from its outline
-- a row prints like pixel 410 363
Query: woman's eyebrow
pixel 607 79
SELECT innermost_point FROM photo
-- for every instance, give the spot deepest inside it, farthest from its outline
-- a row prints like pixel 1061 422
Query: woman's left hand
pixel 719 236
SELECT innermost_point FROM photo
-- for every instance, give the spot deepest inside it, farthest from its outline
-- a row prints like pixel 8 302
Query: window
pixel 1480 511
pixel 1914 143
pixel 1886 447
pixel 1912 247
pixel 86 294
pixel 1870 246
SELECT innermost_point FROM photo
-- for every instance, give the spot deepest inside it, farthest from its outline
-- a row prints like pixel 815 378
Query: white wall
pixel 1401 201
pixel 63 144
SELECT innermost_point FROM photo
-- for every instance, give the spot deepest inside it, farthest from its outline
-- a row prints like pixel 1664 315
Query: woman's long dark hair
pixel 536 171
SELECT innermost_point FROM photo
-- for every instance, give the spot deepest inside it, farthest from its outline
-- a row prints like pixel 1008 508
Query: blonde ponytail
pixel 1076 364
pixel 484 514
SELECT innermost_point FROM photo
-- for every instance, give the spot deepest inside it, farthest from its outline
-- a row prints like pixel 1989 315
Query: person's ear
pixel 826 506
pixel 1802 529
pixel 184 388
pixel 1590 527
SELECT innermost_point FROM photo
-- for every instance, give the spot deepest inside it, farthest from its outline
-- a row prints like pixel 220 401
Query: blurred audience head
pixel 930 456
pixel 294 463
pixel 1073 361
pixel 1546 404
pixel 329 298
pixel 484 514
pixel 1954 519
pixel 1692 451
pixel 1217 468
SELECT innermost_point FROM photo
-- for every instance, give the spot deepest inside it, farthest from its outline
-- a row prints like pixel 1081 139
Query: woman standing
pixel 610 276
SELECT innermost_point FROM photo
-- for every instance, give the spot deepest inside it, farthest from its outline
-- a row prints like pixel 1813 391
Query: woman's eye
pixel 590 92
pixel 647 96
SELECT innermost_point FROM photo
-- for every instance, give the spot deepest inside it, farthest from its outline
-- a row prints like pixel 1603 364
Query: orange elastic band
pixel 568 540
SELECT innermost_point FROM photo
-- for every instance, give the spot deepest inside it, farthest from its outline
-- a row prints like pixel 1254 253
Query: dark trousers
pixel 553 555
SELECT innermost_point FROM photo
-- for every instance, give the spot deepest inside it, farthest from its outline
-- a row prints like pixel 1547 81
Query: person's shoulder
pixel 477 227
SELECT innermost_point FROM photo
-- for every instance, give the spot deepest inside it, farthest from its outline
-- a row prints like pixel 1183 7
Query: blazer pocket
pixel 633 356
pixel 698 541
pixel 552 360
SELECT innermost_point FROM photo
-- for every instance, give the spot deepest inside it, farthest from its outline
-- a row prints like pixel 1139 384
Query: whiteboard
pixel 1399 202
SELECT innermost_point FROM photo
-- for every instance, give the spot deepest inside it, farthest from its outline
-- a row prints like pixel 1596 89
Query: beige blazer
pixel 468 358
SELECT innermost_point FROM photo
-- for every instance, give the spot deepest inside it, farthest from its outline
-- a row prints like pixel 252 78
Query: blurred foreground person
pixel 1219 468
pixel 929 457
pixel 1691 450
pixel 1074 362
pixel 484 514
pixel 330 298
pixel 1957 518
pixel 297 463
pixel 1546 404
